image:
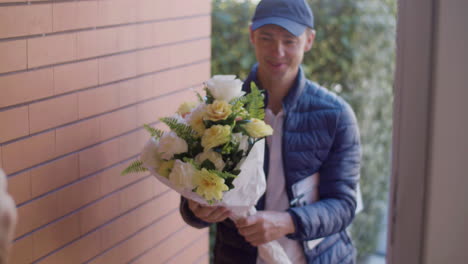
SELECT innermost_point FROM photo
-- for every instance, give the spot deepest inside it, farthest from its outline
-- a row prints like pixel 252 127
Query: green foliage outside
pixel 353 55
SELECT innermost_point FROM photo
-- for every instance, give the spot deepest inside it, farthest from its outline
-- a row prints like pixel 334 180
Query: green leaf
pixel 157 133
pixel 237 156
pixel 255 105
pixel 239 101
pixel 209 97
pixel 227 148
pixel 200 98
pixel 134 167
pixel 228 177
pixel 207 164
pixel 182 130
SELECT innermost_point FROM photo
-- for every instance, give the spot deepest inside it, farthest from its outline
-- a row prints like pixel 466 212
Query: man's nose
pixel 278 49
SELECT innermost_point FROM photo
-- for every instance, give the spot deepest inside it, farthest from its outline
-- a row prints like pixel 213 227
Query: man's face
pixel 279 53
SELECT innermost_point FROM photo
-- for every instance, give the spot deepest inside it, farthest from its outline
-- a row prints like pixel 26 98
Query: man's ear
pixel 310 37
pixel 251 35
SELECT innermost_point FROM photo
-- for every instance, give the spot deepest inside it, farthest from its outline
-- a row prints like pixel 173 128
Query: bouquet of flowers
pixel 213 153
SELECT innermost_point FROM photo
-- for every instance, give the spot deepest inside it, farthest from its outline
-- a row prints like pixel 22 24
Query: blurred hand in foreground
pixel 7 219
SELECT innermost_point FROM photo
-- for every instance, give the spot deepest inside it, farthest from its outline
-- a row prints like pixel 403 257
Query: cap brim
pixel 293 27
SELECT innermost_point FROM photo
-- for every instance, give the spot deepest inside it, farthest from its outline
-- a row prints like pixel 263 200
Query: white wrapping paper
pixel 249 186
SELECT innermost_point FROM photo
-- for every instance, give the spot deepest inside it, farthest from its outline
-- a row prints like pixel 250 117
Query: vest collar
pixel 293 95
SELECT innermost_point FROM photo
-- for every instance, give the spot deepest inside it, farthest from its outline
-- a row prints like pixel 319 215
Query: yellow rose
pixel 165 168
pixel 209 185
pixel 215 136
pixel 195 120
pixel 186 108
pixel 256 128
pixel 218 110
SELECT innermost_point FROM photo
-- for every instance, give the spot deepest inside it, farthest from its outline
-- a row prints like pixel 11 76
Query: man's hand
pixel 265 226
pixel 210 214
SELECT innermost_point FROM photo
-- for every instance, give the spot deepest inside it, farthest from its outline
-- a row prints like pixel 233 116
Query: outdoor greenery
pixel 353 55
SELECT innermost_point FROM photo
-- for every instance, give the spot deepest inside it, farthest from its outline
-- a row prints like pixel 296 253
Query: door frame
pixel 411 130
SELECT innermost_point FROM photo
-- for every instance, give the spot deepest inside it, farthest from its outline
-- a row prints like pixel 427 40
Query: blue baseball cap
pixel 293 15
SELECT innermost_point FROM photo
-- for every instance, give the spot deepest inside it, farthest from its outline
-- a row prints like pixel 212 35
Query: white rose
pixel 150 156
pixel 225 87
pixel 170 144
pixel 243 141
pixel 212 156
pixel 182 174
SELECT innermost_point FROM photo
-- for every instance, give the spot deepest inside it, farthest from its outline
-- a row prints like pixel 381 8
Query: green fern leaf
pixel 182 130
pixel 255 105
pixel 239 101
pixel 157 133
pixel 134 167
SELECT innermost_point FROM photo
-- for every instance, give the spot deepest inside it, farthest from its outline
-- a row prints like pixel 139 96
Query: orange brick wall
pixel 77 81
